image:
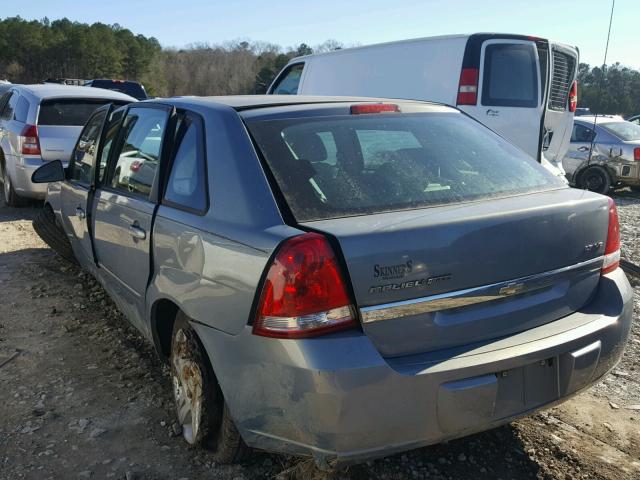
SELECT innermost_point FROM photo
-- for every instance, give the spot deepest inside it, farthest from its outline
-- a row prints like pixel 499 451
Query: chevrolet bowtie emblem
pixel 511 289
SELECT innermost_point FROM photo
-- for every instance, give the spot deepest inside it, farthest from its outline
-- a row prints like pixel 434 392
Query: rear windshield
pixel 132 89
pixel 68 112
pixel 333 167
pixel 626 131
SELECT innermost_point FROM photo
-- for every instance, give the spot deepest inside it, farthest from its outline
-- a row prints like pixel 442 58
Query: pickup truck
pixel 341 277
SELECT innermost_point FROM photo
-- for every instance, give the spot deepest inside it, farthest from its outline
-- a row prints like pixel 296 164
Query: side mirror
pixel 49 172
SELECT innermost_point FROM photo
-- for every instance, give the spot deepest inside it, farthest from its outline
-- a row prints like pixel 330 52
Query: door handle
pixel 136 232
pixel 583 149
pixel 80 213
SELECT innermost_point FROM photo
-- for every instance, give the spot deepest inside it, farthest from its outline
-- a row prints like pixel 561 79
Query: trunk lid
pixel 480 270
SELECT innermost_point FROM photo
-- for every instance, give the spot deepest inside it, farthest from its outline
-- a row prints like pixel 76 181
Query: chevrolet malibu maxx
pixel 341 277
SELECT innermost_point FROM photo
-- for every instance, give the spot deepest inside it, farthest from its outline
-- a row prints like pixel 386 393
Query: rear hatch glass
pixel 68 112
pixel 329 167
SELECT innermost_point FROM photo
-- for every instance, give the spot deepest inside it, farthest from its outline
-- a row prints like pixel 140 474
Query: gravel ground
pixel 83 396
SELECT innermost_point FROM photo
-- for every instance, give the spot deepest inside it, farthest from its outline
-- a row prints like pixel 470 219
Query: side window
pixel 289 80
pixel 510 77
pixel 581 134
pixel 83 157
pixel 3 100
pixel 109 136
pixel 138 155
pixel 186 186
pixel 7 111
pixel 22 110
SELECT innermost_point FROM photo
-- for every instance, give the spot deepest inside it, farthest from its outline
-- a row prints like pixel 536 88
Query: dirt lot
pixel 83 396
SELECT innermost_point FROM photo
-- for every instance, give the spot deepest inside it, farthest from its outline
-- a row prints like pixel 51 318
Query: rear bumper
pixel 336 398
pixel 22 183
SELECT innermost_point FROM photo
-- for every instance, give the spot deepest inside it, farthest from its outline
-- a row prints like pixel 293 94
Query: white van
pixel 523 88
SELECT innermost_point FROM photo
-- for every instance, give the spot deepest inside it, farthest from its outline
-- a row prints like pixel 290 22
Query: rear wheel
pixel 47 228
pixel 595 179
pixel 11 198
pixel 201 409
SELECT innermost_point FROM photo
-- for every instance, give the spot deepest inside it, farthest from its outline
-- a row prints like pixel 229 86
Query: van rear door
pixel 509 93
pixel 558 118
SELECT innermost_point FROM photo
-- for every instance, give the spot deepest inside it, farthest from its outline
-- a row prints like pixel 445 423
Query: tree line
pixel 32 51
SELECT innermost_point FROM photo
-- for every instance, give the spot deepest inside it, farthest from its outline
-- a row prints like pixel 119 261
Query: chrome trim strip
pixel 472 296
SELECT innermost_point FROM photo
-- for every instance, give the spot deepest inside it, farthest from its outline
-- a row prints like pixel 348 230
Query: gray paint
pixel 364 393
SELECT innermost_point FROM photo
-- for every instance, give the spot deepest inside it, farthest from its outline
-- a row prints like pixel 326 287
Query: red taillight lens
pixel 135 165
pixel 30 141
pixel 636 154
pixel 573 96
pixel 612 248
pixel 468 89
pixel 304 292
pixel 366 108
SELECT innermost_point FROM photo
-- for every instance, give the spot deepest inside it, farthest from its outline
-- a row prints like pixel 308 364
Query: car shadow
pixel 11 214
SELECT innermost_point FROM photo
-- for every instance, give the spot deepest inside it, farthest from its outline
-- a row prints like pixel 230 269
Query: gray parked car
pixel 341 277
pixel 605 157
pixel 39 123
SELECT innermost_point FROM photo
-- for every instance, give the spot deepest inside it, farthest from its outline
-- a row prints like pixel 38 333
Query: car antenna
pixel 604 66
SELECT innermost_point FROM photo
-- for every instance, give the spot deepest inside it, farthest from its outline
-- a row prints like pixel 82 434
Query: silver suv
pixel 39 123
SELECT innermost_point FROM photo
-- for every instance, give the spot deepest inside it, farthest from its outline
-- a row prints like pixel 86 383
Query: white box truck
pixel 524 88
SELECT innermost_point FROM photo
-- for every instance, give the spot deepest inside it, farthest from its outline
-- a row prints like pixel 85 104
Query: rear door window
pixel 68 112
pixel 289 80
pixel 186 186
pixel 392 162
pixel 22 110
pixel 581 134
pixel 510 77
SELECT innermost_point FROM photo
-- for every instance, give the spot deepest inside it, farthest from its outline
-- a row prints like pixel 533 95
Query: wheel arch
pixel 162 317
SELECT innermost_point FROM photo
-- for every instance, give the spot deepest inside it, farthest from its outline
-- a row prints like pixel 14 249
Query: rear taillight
pixel 304 293
pixel 135 165
pixel 636 154
pixel 573 96
pixel 468 89
pixel 30 141
pixel 612 248
pixel 365 108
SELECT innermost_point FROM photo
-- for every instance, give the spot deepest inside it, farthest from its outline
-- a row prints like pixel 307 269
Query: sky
pixel 174 23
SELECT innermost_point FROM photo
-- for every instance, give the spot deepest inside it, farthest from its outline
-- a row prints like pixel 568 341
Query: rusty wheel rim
pixel 187 389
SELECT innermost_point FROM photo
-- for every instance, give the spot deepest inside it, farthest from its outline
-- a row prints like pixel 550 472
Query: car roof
pixel 599 119
pixel 55 90
pixel 250 102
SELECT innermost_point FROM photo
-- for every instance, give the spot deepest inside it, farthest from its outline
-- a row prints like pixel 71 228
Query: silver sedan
pixel 604 153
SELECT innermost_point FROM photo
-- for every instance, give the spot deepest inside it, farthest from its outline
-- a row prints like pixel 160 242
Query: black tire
pixel 194 383
pixel 11 198
pixel 595 179
pixel 47 228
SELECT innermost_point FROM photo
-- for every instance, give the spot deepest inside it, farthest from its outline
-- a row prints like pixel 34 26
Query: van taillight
pixel 304 293
pixel 573 96
pixel 468 89
pixel 612 248
pixel 636 154
pixel 30 140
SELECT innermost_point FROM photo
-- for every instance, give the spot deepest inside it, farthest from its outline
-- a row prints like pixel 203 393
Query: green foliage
pixel 616 90
pixel 32 51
